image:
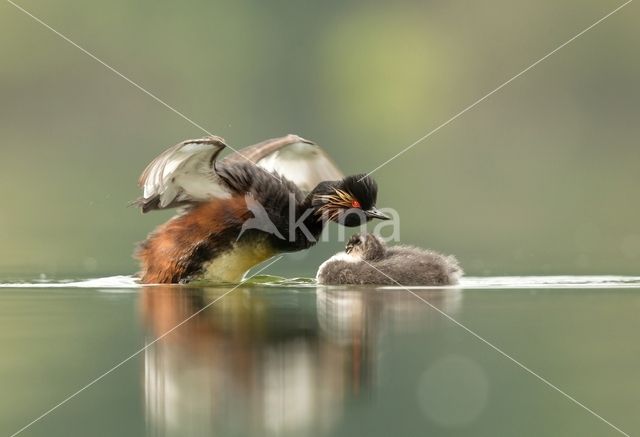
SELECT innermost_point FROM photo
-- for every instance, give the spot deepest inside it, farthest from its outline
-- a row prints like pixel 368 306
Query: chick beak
pixel 376 213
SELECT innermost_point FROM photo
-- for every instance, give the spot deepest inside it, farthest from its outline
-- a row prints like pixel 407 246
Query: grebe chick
pixel 367 260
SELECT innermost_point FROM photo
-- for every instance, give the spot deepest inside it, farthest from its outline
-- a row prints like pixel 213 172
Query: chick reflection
pixel 260 361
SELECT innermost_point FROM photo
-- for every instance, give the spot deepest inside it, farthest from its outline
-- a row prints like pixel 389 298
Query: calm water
pixel 301 360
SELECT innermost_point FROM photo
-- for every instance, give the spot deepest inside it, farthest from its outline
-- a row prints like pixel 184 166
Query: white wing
pixel 182 174
pixel 301 161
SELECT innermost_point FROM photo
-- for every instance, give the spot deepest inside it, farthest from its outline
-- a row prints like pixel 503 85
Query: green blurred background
pixel 541 178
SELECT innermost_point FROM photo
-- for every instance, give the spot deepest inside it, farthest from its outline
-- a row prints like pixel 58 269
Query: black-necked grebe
pixel 291 181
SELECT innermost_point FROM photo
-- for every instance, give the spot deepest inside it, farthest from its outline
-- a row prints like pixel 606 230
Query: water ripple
pixel 470 283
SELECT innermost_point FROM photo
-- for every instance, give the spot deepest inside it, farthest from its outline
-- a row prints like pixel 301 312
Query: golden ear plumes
pixel 334 203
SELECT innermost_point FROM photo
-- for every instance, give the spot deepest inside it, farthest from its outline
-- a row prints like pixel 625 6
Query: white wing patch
pixel 183 173
pixel 304 164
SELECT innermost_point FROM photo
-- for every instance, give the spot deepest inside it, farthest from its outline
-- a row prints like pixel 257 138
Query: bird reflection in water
pixel 265 361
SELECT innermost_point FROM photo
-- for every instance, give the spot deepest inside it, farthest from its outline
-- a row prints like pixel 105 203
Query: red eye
pixel 355 204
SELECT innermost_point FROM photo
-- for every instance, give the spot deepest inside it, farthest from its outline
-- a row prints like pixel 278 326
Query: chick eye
pixel 355 204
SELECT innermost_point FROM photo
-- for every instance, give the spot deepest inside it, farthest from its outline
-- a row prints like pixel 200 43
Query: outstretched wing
pixel 301 161
pixel 182 175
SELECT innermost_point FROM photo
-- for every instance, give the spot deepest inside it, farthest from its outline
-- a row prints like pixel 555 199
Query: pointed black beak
pixel 375 213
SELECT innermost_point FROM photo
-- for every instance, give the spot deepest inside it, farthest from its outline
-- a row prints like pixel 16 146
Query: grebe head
pixel 350 201
pixel 365 246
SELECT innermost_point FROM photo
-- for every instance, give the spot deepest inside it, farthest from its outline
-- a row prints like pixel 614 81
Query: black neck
pixel 303 232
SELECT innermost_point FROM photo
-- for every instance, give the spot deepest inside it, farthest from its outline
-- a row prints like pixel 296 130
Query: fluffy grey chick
pixel 367 260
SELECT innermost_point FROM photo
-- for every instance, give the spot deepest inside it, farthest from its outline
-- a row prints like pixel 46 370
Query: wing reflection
pixel 265 361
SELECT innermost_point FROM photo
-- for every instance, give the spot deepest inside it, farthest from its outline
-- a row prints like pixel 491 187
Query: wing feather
pixel 182 174
pixel 301 161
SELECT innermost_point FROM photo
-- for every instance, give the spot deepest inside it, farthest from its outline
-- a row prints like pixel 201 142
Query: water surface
pixel 294 359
